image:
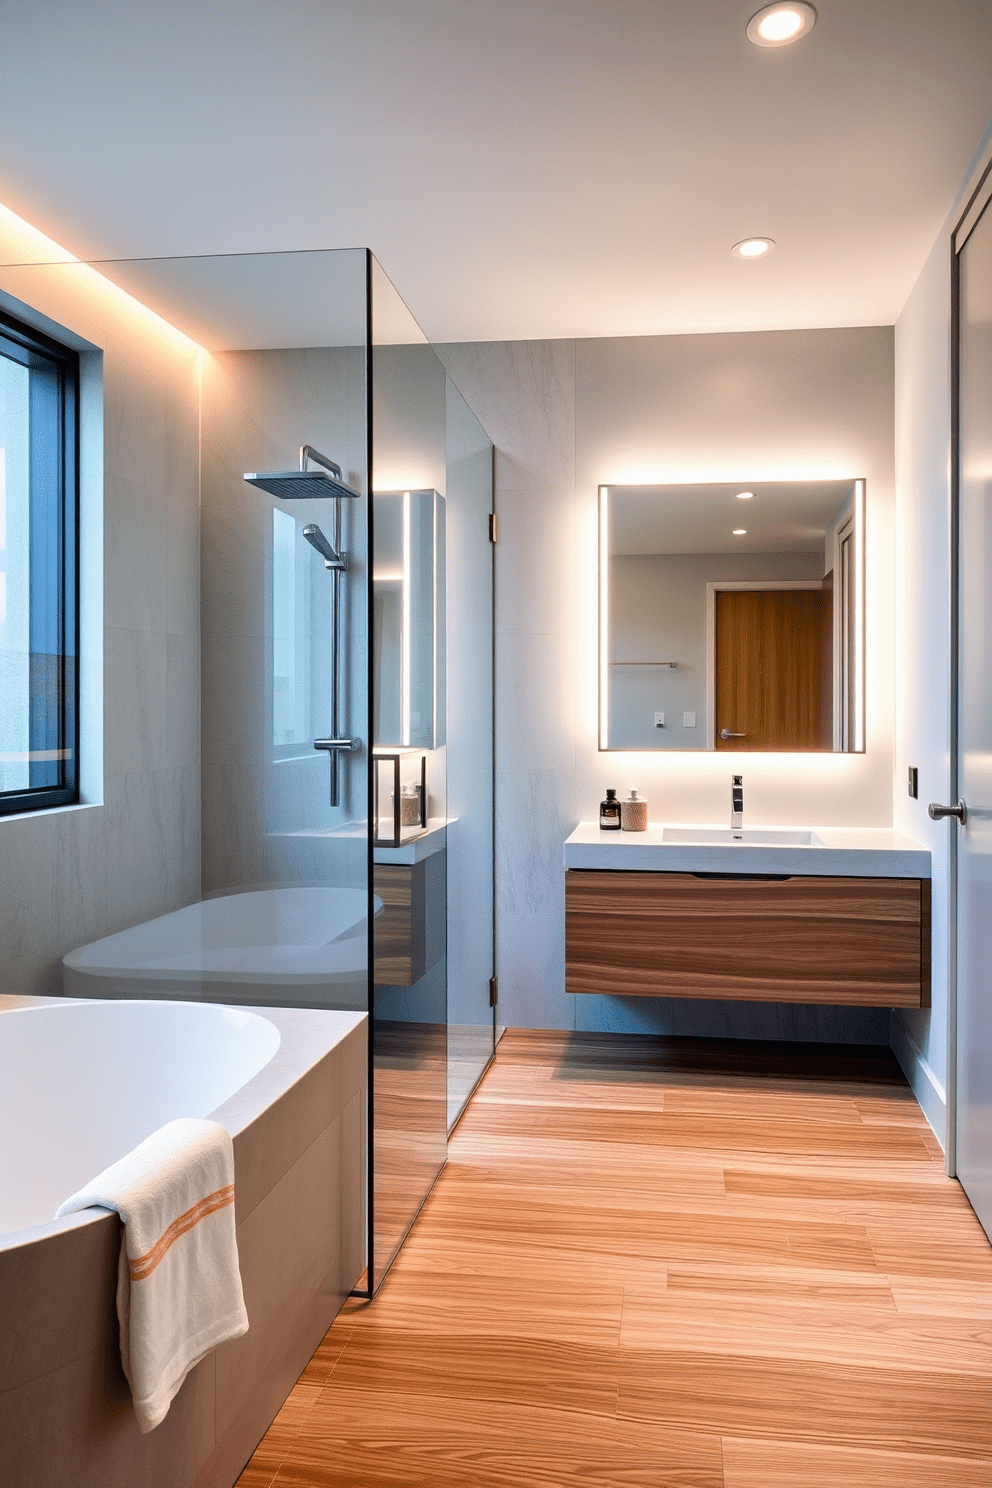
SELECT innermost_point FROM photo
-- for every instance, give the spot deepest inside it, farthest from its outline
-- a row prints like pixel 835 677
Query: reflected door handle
pixel 726 734
pixel 938 812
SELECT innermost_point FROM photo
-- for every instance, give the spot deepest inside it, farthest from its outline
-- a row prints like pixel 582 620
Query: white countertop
pixel 857 852
pixel 430 841
pixel 424 846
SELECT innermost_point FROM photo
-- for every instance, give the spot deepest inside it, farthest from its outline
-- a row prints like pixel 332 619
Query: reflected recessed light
pixel 739 532
pixel 745 495
pixel 753 248
pixel 778 25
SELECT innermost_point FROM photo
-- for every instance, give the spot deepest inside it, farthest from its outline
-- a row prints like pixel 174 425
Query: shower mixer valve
pixel 333 748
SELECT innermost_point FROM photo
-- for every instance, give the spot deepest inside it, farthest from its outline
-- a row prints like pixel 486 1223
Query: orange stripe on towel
pixel 143 1266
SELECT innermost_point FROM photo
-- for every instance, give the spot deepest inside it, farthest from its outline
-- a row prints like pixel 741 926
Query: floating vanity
pixel 832 915
pixel 411 882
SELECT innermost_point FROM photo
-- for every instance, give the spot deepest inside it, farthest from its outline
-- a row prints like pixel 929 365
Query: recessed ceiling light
pixel 745 495
pixel 778 25
pixel 739 532
pixel 753 248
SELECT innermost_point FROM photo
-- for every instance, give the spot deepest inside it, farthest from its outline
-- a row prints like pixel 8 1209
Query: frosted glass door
pixel 974 838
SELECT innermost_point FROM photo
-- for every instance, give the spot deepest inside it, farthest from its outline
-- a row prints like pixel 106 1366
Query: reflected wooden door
pixel 769 659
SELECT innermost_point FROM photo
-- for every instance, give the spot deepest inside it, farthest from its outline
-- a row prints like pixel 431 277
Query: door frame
pixel 976 200
pixel 721 586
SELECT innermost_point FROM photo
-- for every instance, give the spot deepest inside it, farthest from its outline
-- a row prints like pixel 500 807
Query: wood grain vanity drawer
pixel 863 941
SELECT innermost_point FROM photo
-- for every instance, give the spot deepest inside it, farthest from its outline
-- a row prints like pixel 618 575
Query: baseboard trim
pixel 924 1083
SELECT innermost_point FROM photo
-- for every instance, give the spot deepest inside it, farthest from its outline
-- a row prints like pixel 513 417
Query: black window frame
pixel 54 498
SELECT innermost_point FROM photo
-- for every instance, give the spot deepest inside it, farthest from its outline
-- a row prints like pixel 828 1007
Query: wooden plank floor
pixel 670 1263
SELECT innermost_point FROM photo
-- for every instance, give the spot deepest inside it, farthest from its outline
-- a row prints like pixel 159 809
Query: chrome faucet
pixel 736 802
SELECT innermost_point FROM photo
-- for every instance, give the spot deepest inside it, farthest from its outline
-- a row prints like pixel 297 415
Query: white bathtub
pixel 280 945
pixel 80 1084
pixel 97 1078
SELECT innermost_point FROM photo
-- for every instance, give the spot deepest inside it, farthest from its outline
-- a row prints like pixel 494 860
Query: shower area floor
pixel 673 1262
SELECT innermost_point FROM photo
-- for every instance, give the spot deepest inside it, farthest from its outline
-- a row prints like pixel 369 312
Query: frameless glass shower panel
pixel 469 475
pixel 410 880
pixel 285 611
pixel 236 649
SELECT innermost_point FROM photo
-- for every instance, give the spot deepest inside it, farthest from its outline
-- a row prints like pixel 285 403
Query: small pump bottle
pixel 609 813
pixel 634 816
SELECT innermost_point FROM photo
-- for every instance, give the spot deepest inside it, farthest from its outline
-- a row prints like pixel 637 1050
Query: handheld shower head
pixel 317 540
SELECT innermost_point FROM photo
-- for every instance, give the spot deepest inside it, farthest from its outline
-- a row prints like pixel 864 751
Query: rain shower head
pixel 317 540
pixel 292 485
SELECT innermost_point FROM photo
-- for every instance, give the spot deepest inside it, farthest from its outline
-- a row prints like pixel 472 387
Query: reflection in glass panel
pixel 408 618
pixel 410 994
pixel 15 607
pixel 470 750
pixel 291 728
pixel 732 616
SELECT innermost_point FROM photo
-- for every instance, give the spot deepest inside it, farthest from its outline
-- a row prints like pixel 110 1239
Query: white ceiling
pixel 521 168
pixel 780 517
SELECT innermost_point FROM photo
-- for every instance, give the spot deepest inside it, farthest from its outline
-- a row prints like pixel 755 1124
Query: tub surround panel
pixel 307 1221
pixel 65 1409
pixel 76 1425
pixel 309 1104
pixel 39 1339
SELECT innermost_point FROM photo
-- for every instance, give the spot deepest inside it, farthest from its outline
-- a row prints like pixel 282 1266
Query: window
pixel 39 381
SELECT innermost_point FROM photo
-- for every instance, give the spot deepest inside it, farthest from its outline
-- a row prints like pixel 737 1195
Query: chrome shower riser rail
pixel 296 485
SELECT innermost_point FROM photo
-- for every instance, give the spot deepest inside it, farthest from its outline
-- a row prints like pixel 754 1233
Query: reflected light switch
pixel 659 720
pixel 688 720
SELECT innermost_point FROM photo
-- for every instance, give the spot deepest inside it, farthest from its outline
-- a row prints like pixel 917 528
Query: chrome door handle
pixel 726 734
pixel 938 812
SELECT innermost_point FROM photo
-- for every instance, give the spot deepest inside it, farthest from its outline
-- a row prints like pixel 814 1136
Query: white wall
pixel 132 850
pixel 923 628
pixel 566 416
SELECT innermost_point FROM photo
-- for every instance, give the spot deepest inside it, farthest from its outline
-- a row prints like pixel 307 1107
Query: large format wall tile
pixel 535 569
pixel 523 393
pixel 71 876
pixel 135 719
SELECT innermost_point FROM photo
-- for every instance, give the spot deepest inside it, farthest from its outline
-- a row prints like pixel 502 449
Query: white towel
pixel 178 1283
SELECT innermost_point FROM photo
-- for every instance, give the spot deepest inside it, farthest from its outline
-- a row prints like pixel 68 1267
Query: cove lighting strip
pixel 604 611
pixel 407 621
pixel 858 742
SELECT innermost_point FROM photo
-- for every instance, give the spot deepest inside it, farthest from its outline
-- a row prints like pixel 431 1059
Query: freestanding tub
pixel 80 1084
pixel 297 945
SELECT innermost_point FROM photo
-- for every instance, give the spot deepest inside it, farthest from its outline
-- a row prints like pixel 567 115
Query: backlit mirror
pixel 408 631
pixel 731 616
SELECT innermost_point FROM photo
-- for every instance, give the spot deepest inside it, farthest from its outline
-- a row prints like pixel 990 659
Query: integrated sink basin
pixel 746 837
